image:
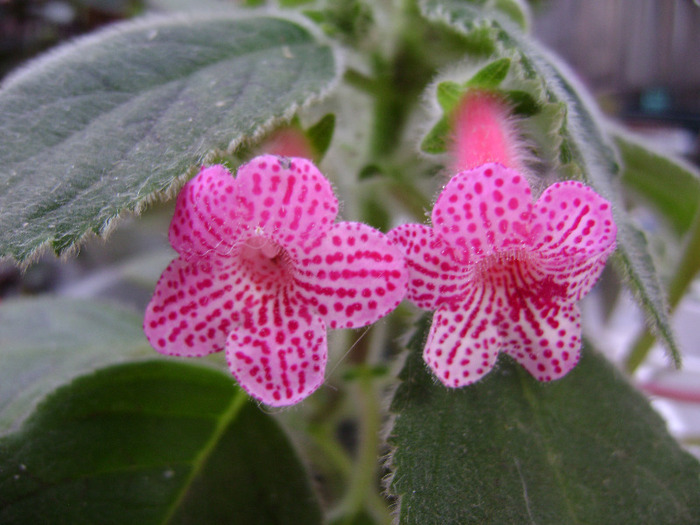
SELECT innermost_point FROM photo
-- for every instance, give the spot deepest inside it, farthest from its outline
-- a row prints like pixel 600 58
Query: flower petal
pixel 574 233
pixel 484 210
pixel 353 277
pixel 286 199
pixel 195 305
pixel 434 277
pixel 547 344
pixel 463 342
pixel 203 222
pixel 279 355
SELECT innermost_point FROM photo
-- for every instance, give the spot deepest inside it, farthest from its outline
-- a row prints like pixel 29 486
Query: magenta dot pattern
pixel 503 274
pixel 263 271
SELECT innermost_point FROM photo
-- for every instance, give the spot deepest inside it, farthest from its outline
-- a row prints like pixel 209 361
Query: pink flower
pixel 263 270
pixel 504 274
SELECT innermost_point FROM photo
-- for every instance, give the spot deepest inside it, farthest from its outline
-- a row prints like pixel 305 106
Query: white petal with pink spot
pixel 278 355
pixel 434 274
pixel 484 211
pixel 353 276
pixel 575 234
pixel 463 343
pixel 286 199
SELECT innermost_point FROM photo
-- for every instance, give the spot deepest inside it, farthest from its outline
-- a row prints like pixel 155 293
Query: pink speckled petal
pixel 574 235
pixel 286 199
pixel 203 221
pixel 354 277
pixel 547 344
pixel 195 305
pixel 279 357
pixel 463 342
pixel 434 277
pixel 484 210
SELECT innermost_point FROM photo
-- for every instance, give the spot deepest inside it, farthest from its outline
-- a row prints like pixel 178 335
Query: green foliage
pixel 514 12
pixel 437 139
pixel 321 134
pixel 671 186
pixel 153 442
pixel 490 76
pixel 346 20
pixel 48 342
pixel 109 123
pixel 569 137
pixel 91 432
pixel 508 449
pixel 448 95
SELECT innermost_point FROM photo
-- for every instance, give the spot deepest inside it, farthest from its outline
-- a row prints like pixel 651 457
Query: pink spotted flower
pixel 503 274
pixel 263 271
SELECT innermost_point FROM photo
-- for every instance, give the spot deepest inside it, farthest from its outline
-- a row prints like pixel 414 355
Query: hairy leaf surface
pixel 108 123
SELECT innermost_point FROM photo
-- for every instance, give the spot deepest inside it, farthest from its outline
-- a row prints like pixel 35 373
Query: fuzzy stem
pixel 687 269
pixel 361 494
pixel 363 480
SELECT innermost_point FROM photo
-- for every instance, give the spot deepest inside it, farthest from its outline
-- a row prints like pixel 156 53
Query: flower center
pixel 265 260
pixel 518 273
pixel 502 263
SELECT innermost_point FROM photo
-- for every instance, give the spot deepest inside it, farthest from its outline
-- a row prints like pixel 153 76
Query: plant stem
pixel 361 494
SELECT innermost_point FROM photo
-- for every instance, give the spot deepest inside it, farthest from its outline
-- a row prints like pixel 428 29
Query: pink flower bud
pixel 483 132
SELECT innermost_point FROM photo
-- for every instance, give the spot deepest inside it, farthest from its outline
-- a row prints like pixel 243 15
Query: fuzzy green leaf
pixel 435 141
pixel 448 95
pixel 108 123
pixel 672 186
pixel 508 449
pixel 508 11
pixel 570 138
pixel 522 102
pixel 321 134
pixel 152 443
pixel 491 75
pixel 46 343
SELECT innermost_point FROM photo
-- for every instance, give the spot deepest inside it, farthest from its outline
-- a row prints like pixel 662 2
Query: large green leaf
pixel 114 120
pixel 45 343
pixel 508 449
pixel 152 443
pixel 671 185
pixel 569 136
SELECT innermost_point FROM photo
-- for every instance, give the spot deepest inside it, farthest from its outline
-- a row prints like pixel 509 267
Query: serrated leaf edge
pixel 153 21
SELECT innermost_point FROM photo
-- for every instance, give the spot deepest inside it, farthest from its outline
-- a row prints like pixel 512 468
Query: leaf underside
pixel 114 120
pixel 508 449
